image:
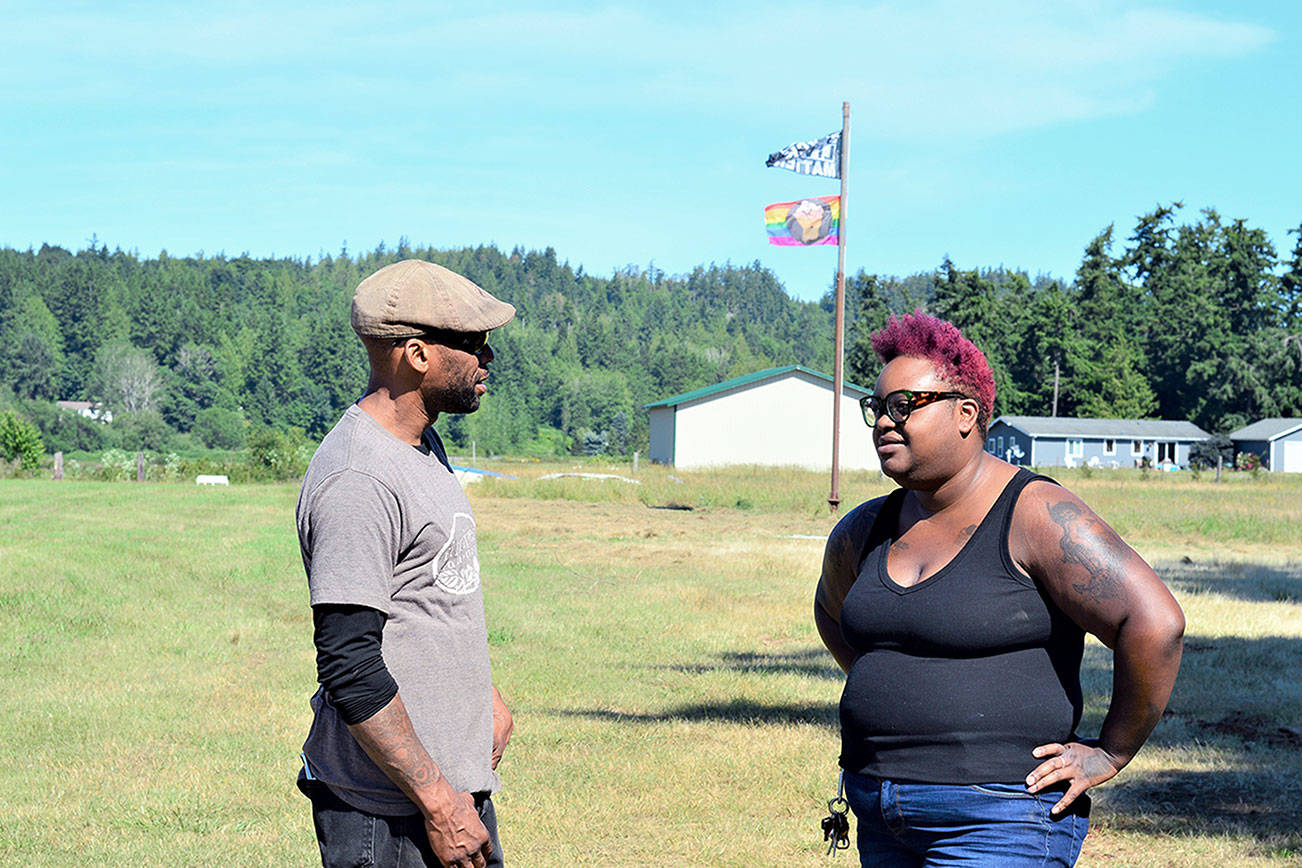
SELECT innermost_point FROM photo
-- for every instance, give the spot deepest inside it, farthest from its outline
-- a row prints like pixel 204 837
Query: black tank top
pixel 956 679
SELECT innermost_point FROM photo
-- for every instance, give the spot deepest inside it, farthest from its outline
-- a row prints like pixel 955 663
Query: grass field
pixel 673 704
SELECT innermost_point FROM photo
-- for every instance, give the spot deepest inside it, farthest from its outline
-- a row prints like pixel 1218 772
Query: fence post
pixel 58 465
pixel 140 467
pixel 635 452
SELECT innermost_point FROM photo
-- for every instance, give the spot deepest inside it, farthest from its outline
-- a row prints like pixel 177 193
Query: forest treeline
pixel 1198 320
pixel 203 351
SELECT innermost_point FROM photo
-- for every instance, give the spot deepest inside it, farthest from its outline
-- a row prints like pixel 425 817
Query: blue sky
pixel 998 133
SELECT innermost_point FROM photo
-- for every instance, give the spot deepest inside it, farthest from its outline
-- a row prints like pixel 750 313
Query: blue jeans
pixel 933 825
pixel 350 838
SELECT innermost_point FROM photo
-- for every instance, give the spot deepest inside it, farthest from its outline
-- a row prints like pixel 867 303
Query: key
pixel 836 825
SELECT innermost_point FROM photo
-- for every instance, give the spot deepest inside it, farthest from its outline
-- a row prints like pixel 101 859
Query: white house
pixel 91 410
pixel 781 416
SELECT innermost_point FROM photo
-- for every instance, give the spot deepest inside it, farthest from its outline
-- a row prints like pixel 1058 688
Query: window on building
pixel 1075 448
pixel 1137 447
pixel 1000 447
pixel 1109 447
pixel 990 445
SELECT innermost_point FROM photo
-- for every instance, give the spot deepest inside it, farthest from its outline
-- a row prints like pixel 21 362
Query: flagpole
pixel 838 377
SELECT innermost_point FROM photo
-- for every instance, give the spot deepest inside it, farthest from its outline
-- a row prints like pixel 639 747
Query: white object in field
pixel 590 476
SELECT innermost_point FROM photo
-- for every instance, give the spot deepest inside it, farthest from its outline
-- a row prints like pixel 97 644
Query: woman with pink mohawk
pixel 958 606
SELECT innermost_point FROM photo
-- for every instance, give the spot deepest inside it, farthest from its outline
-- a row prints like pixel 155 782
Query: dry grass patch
pixel 673 704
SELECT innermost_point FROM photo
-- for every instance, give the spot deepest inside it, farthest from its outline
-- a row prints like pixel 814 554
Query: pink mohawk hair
pixel 957 359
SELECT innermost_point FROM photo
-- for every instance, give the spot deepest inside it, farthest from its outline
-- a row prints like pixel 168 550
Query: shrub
pixel 277 455
pixel 143 431
pixel 115 465
pixel 595 442
pixel 20 439
pixel 548 442
pixel 1250 461
pixel 1205 453
pixel 65 430
pixel 188 444
pixel 220 428
pixel 166 466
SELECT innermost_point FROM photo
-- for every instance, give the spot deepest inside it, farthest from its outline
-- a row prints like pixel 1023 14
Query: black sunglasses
pixel 466 342
pixel 899 404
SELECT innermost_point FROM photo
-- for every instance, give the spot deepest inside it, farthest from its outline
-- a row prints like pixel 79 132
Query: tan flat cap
pixel 414 296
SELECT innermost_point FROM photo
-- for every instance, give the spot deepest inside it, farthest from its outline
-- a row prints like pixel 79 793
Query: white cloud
pixel 970 68
pixel 909 69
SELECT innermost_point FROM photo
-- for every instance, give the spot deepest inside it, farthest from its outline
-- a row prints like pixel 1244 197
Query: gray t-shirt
pixel 385 525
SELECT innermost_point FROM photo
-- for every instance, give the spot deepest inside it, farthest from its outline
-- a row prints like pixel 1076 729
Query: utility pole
pixel 1055 387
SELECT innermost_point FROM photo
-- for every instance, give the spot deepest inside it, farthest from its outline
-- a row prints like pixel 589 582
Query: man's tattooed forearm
pixel 1081 544
pixel 390 740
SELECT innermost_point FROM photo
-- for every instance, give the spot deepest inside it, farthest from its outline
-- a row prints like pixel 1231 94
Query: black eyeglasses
pixel 899 404
pixel 466 342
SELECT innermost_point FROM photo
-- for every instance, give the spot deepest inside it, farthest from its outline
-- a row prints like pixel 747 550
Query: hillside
pixel 212 346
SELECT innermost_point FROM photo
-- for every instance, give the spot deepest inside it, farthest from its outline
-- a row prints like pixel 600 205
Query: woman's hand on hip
pixel 1082 765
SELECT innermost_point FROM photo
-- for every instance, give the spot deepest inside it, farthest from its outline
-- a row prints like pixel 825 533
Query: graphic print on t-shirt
pixel 456 569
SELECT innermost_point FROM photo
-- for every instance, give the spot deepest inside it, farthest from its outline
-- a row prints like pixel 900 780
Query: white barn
pixel 781 416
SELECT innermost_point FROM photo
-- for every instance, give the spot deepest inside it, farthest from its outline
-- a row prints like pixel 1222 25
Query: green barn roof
pixel 736 382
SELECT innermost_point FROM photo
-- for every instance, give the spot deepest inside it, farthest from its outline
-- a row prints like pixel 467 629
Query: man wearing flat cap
pixel 407 726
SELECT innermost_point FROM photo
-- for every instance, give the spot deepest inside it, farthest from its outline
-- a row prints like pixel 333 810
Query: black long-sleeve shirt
pixel 349 664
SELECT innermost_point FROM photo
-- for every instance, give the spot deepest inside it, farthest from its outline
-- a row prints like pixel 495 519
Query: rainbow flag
pixel 805 222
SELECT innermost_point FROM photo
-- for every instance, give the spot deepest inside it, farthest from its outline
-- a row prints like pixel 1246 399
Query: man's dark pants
pixel 349 837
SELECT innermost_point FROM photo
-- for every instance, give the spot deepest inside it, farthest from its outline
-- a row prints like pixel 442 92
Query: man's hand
pixel 452 824
pixel 1082 765
pixel 503 724
pixel 457 835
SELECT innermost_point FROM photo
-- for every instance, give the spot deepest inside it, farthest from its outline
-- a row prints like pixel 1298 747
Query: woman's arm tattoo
pixel 1082 544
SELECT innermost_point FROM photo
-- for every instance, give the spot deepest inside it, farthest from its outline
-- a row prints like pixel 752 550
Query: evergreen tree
pixel 1290 288
pixel 1210 288
pixel 871 314
pixel 1193 314
pixel 1106 368
pixel 1115 388
pixel 968 300
pixel 33 368
pixel 1183 320
pixel 1052 353
pixel 36 367
pixel 1279 366
pixel 191 386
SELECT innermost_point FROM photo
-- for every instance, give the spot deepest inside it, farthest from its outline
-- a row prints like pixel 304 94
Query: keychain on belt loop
pixel 836 825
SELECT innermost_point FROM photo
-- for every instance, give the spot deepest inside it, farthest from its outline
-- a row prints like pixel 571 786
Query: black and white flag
pixel 821 157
